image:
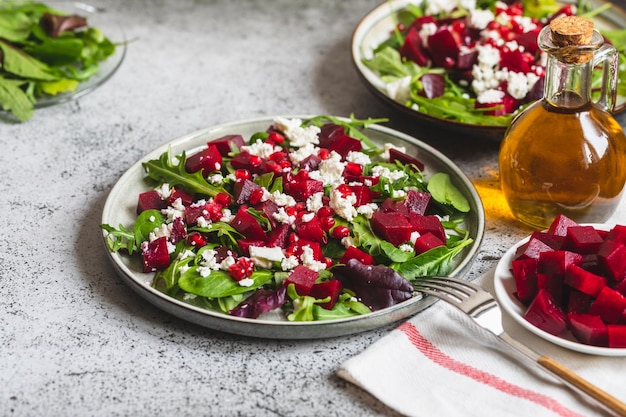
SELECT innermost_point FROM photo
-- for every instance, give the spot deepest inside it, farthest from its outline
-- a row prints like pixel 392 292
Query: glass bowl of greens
pixel 54 53
pixel 469 69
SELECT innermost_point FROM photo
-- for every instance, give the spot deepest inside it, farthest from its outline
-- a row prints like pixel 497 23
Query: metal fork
pixel 484 310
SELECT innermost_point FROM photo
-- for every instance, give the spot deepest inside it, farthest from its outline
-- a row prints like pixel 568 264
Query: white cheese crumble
pixel 380 171
pixel 315 202
pixel 405 247
pixel 164 191
pixel 343 206
pixel 282 216
pixel 298 136
pixel 367 210
pixel 399 90
pixel 265 256
pixel 307 217
pixel 289 263
pixel 330 170
pixel 387 146
pixel 309 261
pixel 246 282
pixel 259 148
pixel 479 19
pixel 282 199
pixel 177 209
pixel 490 96
pixel 358 158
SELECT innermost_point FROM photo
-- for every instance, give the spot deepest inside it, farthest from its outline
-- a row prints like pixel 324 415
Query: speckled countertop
pixel 74 339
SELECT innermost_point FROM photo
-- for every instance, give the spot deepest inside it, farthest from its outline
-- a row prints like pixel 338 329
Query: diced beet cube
pixel 583 280
pixel 329 133
pixel 588 329
pixel 267 209
pixel 545 314
pixel 345 144
pixel 582 239
pixel 150 200
pixel 301 190
pixel 396 206
pixel 537 243
pixel 417 201
pixel 426 242
pixel 525 275
pixel 393 227
pixel 185 198
pixel 299 248
pixel 552 283
pixel 609 304
pixel 612 258
pixel 617 234
pixel 557 261
pixel 467 59
pixel 178 232
pixel 244 160
pixel 247 225
pixel 396 155
pixel 529 40
pixel 433 85
pixel 244 245
pixel 303 278
pixel 242 190
pixel 331 288
pixel 155 255
pixel 225 144
pixel 193 212
pixel 352 252
pixel 443 48
pixel 427 224
pixel 578 302
pixel 310 163
pixel 208 159
pixel 364 195
pixel 560 224
pixel 279 236
pixel 621 287
pixel 413 49
pixel 311 230
pixel 514 60
pixel 616 335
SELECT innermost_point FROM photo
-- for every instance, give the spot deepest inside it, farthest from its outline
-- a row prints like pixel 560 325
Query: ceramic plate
pixel 96 17
pixel 377 26
pixel 121 204
pixel 504 284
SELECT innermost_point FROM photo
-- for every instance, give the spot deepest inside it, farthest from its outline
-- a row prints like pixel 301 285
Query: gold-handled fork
pixel 484 310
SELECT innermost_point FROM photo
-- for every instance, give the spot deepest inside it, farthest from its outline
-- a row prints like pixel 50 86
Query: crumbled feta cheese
pixel 259 148
pixel 490 96
pixel 282 199
pixel 398 193
pixel 282 216
pixel 152 218
pixel 164 191
pixel 185 254
pixel 309 261
pixel 405 247
pixel 216 179
pixel 399 90
pixel 307 217
pixel 479 19
pixel 302 153
pixel 227 216
pixel 343 206
pixel 289 263
pixel 162 231
pixel 380 171
pixel 437 6
pixel 315 202
pixel 367 209
pixel 227 262
pixel 298 136
pixel 246 282
pixel 330 171
pixel 209 260
pixel 517 85
pixel 426 30
pixel 358 158
pixel 177 209
pixel 387 146
pixel 414 236
pixel 265 256
pixel 189 296
pixel 183 268
pixel 202 222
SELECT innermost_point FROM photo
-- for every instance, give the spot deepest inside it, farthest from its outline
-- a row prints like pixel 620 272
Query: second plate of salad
pixel 291 227
pixel 463 67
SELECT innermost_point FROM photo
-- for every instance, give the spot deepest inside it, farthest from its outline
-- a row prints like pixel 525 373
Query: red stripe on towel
pixel 434 354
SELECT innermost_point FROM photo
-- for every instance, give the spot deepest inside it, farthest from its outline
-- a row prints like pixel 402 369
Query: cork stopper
pixel 568 32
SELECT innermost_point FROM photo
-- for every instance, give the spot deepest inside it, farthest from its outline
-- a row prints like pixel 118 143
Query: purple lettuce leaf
pixel 260 302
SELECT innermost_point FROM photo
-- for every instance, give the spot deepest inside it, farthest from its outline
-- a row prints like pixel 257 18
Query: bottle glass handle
pixel 609 58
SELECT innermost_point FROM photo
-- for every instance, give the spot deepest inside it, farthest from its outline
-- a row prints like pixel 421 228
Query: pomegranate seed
pixel 256 196
pixel 293 238
pixel 196 240
pixel 326 223
pixel 340 232
pixel 237 272
pixel 300 207
pixel 285 163
pixel 302 175
pixel 353 169
pixel 344 190
pixel 291 211
pixel 222 199
pixel 243 174
pixel 324 211
pixel 328 262
pixel 241 269
pixel 323 153
pixel 215 211
pixel 277 156
pixel 276 137
pixel 272 166
pixel 255 160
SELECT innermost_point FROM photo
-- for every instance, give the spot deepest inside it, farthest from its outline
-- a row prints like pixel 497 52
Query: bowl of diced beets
pixel 567 284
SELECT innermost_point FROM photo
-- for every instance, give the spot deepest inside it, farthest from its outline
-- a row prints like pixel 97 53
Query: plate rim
pixel 278 329
pixel 503 279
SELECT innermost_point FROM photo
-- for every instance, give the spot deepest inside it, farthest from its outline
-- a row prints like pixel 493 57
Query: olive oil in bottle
pixel 566 154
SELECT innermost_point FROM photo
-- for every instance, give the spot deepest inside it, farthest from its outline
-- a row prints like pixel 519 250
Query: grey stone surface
pixel 74 339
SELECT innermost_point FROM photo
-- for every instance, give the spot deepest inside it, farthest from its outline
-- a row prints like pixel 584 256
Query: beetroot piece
pixel 582 239
pixel 560 224
pixel 279 236
pixel 352 252
pixel 609 304
pixel 557 261
pixel 208 160
pixel 393 227
pixel 390 205
pixel 467 59
pixel 412 49
pixel 433 85
pixel 443 48
pixel 396 155
pixel 617 234
pixel 621 287
pixel 612 258
pixel 244 245
pixel 552 283
pixel 150 200
pixel 376 286
pixel 344 144
pixel 545 314
pixel 584 281
pixel 244 160
pixel 185 198
pixel 310 163
pixel 242 190
pixel 192 213
pixel 363 194
pixel 260 302
pixel 417 201
pixel 267 209
pixel 179 232
pixel 529 40
pixel 329 133
pixel 539 242
pixel 156 256
pixel 325 289
pixel 225 144
pixel 588 329
pixel 247 225
pixel 303 278
pixel 311 230
pixel 298 249
pixel 427 224
pixel 577 302
pixel 525 275
pixel 301 190
pixel 426 242
pixel 514 60
pixel 616 335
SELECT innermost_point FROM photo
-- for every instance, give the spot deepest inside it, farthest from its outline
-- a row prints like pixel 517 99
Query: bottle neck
pixel 567 85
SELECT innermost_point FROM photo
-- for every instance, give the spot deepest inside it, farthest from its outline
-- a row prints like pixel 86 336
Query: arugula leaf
pixel 364 236
pixel 388 62
pixel 122 238
pixel 219 283
pixel 14 99
pixel 444 192
pixel 166 170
